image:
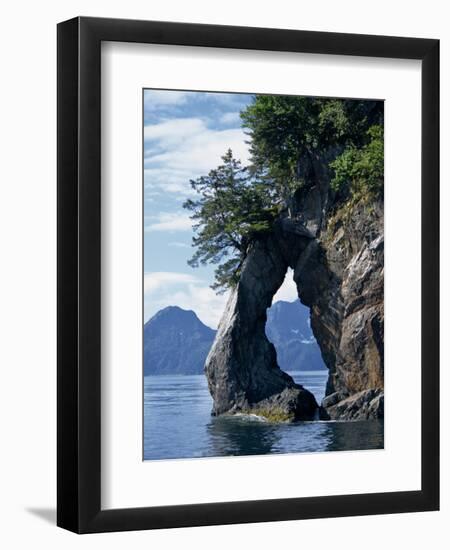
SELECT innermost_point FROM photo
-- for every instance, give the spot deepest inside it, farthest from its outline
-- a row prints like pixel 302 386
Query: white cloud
pixel 174 131
pixel 232 117
pixel 155 280
pixel 154 99
pixel 162 289
pixel 182 149
pixel 169 221
pixel 288 290
pixel 161 180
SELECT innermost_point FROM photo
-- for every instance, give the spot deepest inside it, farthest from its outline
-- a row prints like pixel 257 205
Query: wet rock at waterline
pixel 364 405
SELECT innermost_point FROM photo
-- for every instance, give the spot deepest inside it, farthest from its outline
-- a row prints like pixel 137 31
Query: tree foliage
pixel 232 208
pixel 287 134
pixel 361 170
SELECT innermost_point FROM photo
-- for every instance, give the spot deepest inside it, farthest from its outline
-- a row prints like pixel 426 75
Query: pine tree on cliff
pixel 233 206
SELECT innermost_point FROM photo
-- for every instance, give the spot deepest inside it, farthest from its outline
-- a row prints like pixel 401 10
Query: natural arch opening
pixel 241 368
pixel 288 328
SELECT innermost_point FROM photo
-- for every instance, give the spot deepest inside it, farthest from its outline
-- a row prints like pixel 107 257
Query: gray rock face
pixel 341 278
pixel 364 405
pixel 337 255
pixel 241 368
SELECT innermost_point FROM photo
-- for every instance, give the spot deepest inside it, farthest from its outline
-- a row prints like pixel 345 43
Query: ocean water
pixel 178 424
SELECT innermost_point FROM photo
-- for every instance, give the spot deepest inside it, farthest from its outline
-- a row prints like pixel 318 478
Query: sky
pixel 185 135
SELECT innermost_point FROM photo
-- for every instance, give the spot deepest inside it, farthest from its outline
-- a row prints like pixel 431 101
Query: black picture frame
pixel 79 281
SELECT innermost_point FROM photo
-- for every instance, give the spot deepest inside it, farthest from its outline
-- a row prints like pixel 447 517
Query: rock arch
pixel 241 368
pixel 338 267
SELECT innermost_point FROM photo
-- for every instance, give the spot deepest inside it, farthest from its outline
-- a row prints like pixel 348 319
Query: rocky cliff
pixel 336 250
pixel 341 278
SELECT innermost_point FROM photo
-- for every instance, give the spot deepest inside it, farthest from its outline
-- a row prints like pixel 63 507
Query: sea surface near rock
pixel 178 424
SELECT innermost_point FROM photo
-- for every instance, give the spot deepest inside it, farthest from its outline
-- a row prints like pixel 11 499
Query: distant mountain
pixel 177 342
pixel 289 330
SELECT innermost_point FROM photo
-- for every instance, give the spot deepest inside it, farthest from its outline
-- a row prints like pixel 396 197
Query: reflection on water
pixel 236 436
pixel 178 424
pixel 241 436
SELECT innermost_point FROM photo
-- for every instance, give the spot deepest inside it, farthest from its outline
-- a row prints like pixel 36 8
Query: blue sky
pixel 185 134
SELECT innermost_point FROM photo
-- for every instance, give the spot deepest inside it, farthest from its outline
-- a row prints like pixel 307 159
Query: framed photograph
pixel 248 293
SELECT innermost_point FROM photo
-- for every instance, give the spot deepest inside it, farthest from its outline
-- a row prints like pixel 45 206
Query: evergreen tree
pixel 232 209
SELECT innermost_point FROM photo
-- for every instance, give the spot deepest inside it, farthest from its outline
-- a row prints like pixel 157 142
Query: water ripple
pixel 178 424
